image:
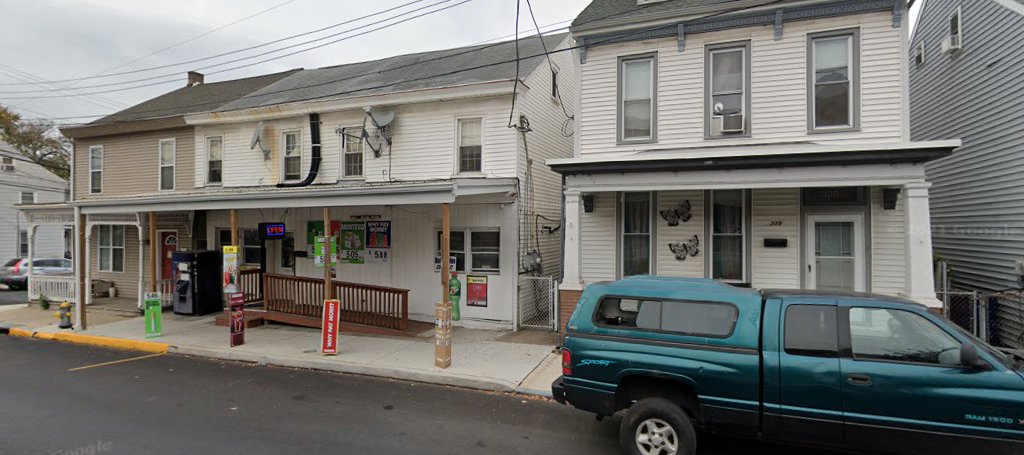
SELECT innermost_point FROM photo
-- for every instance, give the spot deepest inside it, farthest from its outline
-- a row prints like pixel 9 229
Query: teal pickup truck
pixel 860 372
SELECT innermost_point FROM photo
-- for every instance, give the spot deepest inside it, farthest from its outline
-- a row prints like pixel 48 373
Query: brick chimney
pixel 194 78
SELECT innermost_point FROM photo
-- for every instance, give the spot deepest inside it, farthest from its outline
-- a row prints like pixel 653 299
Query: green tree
pixel 38 140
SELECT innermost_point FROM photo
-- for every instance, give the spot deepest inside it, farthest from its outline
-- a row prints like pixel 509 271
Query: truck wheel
pixel 656 426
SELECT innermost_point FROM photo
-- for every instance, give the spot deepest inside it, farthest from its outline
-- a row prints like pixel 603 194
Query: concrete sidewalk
pixel 479 359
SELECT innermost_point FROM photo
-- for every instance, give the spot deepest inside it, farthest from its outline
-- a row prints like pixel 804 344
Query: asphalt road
pixel 175 404
pixel 8 297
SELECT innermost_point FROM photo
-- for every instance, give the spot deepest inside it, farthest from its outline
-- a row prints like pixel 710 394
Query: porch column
pixel 154 249
pixel 571 263
pixel 86 239
pixel 234 227
pixel 443 328
pixel 31 232
pixel 920 280
pixel 327 268
pixel 142 254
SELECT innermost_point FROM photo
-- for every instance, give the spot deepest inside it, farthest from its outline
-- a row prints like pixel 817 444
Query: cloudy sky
pixel 66 40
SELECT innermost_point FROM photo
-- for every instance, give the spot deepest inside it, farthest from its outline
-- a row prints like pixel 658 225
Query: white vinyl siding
pixel 778 86
pixel 291 156
pixel 597 240
pixel 96 169
pixel 166 157
pixel 888 243
pixel 775 214
pixel 668 263
pixel 214 160
pixel 111 248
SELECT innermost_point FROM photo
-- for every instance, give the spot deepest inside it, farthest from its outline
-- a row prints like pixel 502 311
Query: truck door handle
pixel 858 379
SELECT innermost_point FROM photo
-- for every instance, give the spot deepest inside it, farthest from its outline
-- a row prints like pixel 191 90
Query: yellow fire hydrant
pixel 64 314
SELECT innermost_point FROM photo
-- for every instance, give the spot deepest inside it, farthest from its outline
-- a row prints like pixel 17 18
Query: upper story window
pixel 28 197
pixel 291 155
pixel 956 30
pixel 833 77
pixel 919 53
pixel 636 233
pixel 554 84
pixel 167 157
pixel 96 169
pixel 352 152
pixel 728 238
pixel 7 163
pixel 470 145
pixel 728 83
pixel 637 98
pixel 214 160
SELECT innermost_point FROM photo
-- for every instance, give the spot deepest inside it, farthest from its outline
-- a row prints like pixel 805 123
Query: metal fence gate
pixel 968 310
pixel 537 296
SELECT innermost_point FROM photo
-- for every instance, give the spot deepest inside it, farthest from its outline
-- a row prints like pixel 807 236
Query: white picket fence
pixel 56 288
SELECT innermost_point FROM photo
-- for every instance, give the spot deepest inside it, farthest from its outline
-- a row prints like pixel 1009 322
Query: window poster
pixel 352 248
pixel 314 229
pixel 476 290
pixel 378 241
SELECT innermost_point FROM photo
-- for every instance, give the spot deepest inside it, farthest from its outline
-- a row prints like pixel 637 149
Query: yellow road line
pixel 117 361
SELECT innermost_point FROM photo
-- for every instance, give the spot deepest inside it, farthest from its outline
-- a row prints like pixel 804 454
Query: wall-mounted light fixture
pixel 588 203
pixel 889 198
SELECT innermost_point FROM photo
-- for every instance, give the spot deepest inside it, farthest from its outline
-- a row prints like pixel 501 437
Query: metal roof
pixel 425 70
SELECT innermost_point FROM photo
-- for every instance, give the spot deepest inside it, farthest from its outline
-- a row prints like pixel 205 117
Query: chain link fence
pixel 996 317
pixel 537 298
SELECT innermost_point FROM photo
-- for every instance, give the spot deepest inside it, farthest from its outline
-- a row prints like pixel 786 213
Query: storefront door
pixel 835 252
pixel 168 245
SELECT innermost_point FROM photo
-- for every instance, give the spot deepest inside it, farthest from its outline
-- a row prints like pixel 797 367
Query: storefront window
pixel 485 247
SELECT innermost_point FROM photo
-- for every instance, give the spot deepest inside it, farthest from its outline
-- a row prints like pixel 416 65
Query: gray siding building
pixel 967 82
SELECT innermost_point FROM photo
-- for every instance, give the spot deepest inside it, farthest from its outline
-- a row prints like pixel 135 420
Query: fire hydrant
pixel 64 314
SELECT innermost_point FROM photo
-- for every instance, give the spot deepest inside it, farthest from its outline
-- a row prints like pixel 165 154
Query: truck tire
pixel 656 426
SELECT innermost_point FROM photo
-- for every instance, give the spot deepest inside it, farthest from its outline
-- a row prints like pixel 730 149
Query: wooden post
pixel 83 287
pixel 234 227
pixel 154 251
pixel 327 268
pixel 443 324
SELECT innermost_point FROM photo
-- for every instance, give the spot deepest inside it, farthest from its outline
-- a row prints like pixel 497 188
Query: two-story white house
pixel 381 146
pixel 763 143
pixel 24 182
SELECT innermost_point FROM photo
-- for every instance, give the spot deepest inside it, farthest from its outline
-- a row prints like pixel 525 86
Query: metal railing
pixel 537 297
pixel 378 306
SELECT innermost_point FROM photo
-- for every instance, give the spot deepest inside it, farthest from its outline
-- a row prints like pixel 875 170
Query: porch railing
pixel 249 281
pixel 378 306
pixel 56 288
pixel 166 289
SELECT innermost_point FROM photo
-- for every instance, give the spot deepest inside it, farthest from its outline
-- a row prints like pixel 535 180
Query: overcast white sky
pixel 66 39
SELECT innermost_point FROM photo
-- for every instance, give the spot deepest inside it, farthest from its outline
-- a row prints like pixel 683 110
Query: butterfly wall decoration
pixel 674 216
pixel 689 248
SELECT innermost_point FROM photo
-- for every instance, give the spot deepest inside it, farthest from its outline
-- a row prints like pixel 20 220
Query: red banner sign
pixel 329 328
pixel 236 320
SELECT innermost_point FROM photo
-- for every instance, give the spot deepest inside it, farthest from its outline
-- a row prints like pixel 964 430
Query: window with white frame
pixel 554 84
pixel 728 74
pixel 96 169
pixel 167 158
pixel 470 145
pixel 214 160
pixel 250 249
pixel 833 80
pixel 23 243
pixel 28 197
pixel 635 233
pixel 352 152
pixel 919 53
pixel 482 246
pixel 956 29
pixel 292 155
pixel 728 241
pixel 111 248
pixel 637 98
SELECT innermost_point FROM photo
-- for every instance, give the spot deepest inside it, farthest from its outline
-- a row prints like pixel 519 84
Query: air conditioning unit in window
pixel 951 43
pixel 7 167
pixel 732 123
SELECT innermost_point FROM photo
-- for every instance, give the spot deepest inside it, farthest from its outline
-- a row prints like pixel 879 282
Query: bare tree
pixel 38 140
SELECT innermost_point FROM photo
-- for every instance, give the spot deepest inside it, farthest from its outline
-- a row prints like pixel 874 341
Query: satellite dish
pixel 257 141
pixel 382 119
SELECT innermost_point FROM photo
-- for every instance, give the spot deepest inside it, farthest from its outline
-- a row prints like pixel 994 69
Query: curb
pixel 94 340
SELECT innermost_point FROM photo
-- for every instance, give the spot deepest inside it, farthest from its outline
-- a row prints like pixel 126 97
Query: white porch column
pixel 920 280
pixel 142 262
pixel 31 231
pixel 571 263
pixel 88 267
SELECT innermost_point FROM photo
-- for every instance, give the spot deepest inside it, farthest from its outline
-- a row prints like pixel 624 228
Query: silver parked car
pixel 14 273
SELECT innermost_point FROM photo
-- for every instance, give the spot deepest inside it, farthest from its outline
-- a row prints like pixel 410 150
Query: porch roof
pixel 482 190
pixel 763 156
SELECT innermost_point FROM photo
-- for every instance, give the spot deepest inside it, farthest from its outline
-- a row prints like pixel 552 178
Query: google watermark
pixel 91 449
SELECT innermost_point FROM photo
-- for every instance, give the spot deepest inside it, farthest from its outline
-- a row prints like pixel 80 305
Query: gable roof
pixel 25 168
pixel 424 70
pixel 607 12
pixel 192 99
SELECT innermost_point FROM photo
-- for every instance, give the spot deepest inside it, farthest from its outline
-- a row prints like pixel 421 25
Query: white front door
pixel 835 252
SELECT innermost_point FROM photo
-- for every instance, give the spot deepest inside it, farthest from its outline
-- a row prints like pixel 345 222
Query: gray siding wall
pixel 976 95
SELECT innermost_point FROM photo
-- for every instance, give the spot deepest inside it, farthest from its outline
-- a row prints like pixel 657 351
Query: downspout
pixel 314 165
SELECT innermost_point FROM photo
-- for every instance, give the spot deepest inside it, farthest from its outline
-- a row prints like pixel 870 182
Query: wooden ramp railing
pixel 378 306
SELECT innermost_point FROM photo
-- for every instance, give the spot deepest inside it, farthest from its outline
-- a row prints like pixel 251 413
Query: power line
pixel 551 66
pixel 175 75
pixel 102 102
pixel 257 46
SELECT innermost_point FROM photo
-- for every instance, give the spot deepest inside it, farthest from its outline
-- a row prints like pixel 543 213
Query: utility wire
pixel 99 101
pixel 515 81
pixel 554 79
pixel 175 75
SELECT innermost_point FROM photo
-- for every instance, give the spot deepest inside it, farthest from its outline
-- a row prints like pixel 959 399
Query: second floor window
pixel 352 152
pixel 636 93
pixel 470 145
pixel 28 197
pixel 96 169
pixel 728 100
pixel 833 81
pixel 111 248
pixel 215 160
pixel 292 155
pixel 167 155
pixel 956 34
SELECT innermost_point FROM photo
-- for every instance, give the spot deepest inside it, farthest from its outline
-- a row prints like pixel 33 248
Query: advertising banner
pixel 236 305
pixel 476 290
pixel 452 261
pixel 315 229
pixel 378 241
pixel 325 250
pixel 154 314
pixel 329 327
pixel 230 268
pixel 353 242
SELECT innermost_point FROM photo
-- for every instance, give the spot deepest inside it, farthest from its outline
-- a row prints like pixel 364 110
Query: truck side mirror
pixel 969 357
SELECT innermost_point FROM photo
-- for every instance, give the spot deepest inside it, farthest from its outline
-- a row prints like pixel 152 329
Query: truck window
pixel 618 312
pixel 901 336
pixel 811 331
pixel 714 320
